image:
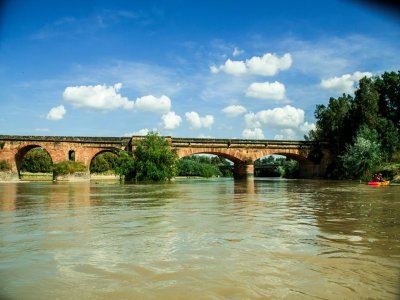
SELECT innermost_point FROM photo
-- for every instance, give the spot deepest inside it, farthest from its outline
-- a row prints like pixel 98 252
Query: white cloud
pixel 266 90
pixel 256 134
pixel 345 83
pixel 237 52
pixel 56 113
pixel 197 122
pixel 171 120
pixel 234 110
pixel 151 103
pixel 267 65
pixel 233 67
pixel 286 134
pixel 100 97
pixel 105 97
pixel 280 117
pixel 42 129
pixel 143 131
pixel 306 127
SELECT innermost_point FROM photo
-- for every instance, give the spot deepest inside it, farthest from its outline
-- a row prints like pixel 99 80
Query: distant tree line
pixel 365 128
pixel 273 166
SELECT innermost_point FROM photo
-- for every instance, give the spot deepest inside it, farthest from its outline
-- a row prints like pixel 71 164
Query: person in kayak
pixel 378 178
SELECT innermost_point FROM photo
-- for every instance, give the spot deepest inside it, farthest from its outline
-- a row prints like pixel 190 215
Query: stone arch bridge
pixel 313 157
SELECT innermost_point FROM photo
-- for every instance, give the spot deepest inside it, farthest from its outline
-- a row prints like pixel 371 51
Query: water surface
pixel 199 239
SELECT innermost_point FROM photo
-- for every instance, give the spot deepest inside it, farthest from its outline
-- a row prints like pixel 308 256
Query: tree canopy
pixel 364 126
pixel 154 159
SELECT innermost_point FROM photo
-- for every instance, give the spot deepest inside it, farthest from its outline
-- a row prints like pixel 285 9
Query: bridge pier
pixel 243 169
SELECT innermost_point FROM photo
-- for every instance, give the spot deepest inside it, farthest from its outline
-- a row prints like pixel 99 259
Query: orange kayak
pixel 386 182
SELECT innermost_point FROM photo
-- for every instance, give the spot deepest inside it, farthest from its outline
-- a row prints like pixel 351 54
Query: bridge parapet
pixel 241 152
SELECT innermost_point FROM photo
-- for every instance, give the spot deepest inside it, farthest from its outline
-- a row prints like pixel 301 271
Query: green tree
pixel 68 167
pixel 4 165
pixel 154 159
pixel 333 122
pixel 103 162
pixel 37 161
pixel 362 157
pixel 124 164
pixel 388 87
pixel 364 110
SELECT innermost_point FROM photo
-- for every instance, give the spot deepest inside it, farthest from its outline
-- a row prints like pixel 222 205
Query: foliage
pixel 204 166
pixel 363 156
pixel 68 167
pixel 103 162
pixel 271 166
pixel 37 161
pixel 124 164
pixel 4 165
pixel 154 159
pixel 374 107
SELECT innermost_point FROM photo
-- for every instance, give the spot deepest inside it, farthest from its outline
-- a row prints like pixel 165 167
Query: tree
pixel 364 110
pixel 37 160
pixel 333 121
pixel 154 159
pixel 388 87
pixel 362 157
pixel 103 162
pixel 124 164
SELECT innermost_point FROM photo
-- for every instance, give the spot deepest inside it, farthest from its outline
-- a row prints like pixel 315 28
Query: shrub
pixel 4 165
pixel 68 167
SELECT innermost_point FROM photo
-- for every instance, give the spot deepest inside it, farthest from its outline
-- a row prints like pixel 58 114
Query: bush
pixel 103 162
pixel 36 161
pixel 68 167
pixel 4 165
pixel 154 159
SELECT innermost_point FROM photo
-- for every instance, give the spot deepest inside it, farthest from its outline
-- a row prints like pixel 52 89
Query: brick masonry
pixel 242 153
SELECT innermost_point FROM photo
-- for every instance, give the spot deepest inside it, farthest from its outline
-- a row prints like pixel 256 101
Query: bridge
pixel 313 157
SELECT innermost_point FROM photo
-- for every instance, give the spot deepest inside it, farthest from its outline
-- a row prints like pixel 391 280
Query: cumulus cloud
pixel 56 113
pixel 234 110
pixel 288 121
pixel 266 90
pixel 105 97
pixel 345 83
pixel 231 67
pixel 266 65
pixel 100 97
pixel 151 103
pixel 171 120
pixel 280 117
pixel 197 122
pixel 143 131
pixel 256 134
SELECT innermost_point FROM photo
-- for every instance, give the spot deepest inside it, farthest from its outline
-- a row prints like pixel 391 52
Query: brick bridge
pixel 243 153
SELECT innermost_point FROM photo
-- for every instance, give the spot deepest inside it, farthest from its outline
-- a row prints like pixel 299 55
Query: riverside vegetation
pixel 365 128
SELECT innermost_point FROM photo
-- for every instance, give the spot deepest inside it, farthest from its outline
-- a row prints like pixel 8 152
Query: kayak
pixel 386 182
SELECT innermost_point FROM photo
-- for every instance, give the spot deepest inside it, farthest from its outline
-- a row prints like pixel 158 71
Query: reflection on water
pixel 199 239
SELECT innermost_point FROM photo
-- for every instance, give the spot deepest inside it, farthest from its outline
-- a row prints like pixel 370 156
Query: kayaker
pixel 378 178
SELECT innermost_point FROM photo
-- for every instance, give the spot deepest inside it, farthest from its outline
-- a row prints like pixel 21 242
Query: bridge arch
pixel 20 154
pixel 107 150
pixel 242 164
pixel 223 154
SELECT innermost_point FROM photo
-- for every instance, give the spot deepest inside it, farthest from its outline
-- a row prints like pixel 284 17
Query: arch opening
pixel 205 165
pixel 103 162
pixel 278 165
pixel 34 163
pixel 71 155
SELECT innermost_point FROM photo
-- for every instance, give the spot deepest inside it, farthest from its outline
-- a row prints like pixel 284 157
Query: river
pixel 200 239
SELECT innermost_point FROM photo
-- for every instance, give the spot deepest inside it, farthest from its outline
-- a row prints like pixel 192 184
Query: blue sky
pixel 223 69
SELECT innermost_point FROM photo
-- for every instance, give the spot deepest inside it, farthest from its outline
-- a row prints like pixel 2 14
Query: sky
pixel 184 68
